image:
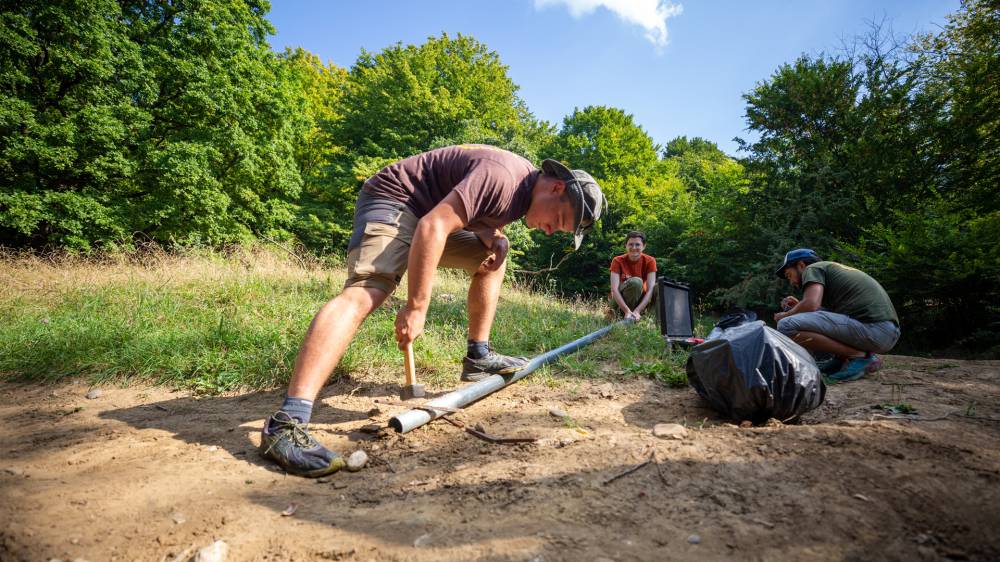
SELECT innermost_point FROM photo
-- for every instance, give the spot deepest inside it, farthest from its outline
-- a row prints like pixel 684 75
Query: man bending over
pixel 446 207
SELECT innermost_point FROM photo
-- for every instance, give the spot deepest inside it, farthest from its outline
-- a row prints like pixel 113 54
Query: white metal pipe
pixel 412 419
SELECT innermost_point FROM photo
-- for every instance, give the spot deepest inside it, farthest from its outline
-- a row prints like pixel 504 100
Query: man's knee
pixel 631 291
pixel 788 326
pixel 631 282
pixel 358 302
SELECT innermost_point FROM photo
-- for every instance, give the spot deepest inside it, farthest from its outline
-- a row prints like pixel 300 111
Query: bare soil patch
pixel 144 473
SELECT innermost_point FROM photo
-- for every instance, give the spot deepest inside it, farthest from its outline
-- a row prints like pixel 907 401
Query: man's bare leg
pixel 819 342
pixel 480 361
pixel 484 292
pixel 284 437
pixel 330 333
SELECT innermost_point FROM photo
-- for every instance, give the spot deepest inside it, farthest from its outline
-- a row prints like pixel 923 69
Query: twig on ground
pixel 383 461
pixel 499 440
pixel 487 436
pixel 659 470
pixel 936 418
pixel 629 471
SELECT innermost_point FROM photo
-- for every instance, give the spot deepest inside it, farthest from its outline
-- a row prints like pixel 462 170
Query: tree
pixel 710 251
pixel 398 101
pixel 216 160
pixel 886 159
pixel 173 120
pixel 963 62
pixel 66 122
pixel 323 205
pixel 604 141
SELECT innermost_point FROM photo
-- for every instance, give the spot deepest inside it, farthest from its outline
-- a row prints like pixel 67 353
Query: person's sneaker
pixel 830 366
pixel 857 368
pixel 474 370
pixel 287 442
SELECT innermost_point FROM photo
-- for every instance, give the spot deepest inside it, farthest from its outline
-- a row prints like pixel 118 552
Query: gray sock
pixel 477 349
pixel 298 408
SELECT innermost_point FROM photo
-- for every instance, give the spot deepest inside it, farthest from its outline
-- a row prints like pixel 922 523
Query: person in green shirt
pixel 843 312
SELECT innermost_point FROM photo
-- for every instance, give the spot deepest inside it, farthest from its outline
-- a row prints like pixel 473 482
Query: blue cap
pixel 796 255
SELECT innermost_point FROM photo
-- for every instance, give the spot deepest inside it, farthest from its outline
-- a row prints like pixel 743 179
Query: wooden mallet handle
pixel 408 364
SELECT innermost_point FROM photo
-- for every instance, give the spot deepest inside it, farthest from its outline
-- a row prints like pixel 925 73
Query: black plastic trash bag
pixel 733 318
pixel 753 372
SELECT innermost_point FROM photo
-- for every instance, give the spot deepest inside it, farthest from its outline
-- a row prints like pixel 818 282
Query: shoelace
pixel 300 437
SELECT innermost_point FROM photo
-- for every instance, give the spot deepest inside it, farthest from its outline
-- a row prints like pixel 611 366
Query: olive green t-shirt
pixel 852 292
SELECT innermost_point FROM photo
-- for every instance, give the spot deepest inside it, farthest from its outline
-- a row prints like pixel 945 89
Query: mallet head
pixel 409 391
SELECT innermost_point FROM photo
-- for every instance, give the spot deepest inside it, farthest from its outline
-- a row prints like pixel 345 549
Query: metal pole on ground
pixel 412 419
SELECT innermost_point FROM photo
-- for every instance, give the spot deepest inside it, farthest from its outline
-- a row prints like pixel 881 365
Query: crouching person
pixel 633 277
pixel 843 312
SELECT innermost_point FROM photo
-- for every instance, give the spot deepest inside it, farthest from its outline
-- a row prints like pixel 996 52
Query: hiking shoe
pixel 857 368
pixel 474 370
pixel 286 441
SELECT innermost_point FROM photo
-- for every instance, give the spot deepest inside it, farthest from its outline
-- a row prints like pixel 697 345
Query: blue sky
pixel 680 68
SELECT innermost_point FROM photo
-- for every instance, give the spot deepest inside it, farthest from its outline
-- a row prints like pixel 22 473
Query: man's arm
pixel 812 299
pixel 616 281
pixel 425 252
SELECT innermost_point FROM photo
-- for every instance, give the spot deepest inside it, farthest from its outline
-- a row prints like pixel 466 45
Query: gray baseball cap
pixel 587 198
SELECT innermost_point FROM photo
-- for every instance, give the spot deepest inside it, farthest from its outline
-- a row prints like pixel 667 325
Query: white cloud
pixel 651 15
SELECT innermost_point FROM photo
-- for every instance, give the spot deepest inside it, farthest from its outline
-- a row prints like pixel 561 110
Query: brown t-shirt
pixel 640 268
pixel 493 184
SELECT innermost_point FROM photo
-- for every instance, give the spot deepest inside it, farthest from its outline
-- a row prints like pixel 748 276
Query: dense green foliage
pixel 174 121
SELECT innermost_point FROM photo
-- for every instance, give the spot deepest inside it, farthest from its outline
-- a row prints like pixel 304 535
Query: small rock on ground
pixel 557 413
pixel 694 539
pixel 357 461
pixel 215 552
pixel 670 431
pixel 96 393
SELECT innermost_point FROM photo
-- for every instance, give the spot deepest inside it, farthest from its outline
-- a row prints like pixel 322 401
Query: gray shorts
pixel 878 337
pixel 379 250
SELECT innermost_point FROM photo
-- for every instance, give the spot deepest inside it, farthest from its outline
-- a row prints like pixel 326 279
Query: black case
pixel 673 307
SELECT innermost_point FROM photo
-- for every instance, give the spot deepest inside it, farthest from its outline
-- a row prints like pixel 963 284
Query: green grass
pixel 214 323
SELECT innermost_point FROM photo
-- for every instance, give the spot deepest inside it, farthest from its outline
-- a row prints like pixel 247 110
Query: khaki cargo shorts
pixel 380 257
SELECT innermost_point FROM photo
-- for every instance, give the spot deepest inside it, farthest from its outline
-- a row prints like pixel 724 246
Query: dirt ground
pixel 144 473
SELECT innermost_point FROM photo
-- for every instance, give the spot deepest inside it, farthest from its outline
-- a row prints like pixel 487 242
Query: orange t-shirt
pixel 627 268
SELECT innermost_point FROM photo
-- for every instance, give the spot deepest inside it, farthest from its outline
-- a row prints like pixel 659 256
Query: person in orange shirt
pixel 633 277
